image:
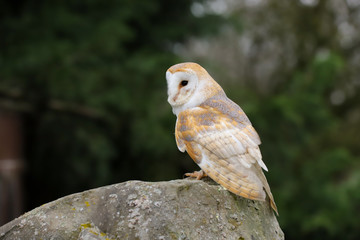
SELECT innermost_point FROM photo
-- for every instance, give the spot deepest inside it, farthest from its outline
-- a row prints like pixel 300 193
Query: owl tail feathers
pixel 271 198
pixel 273 205
pixel 267 190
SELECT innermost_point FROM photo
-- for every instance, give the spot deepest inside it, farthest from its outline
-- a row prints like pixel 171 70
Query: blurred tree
pixel 90 76
pixel 293 67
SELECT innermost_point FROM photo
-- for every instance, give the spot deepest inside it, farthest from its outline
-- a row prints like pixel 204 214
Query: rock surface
pixel 179 209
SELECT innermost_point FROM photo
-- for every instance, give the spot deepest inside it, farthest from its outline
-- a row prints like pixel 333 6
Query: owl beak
pixel 170 101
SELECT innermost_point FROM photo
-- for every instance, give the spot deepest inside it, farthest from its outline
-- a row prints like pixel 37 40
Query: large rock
pixel 180 209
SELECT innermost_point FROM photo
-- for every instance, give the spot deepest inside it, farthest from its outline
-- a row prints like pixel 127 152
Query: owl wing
pixel 179 142
pixel 227 150
pixel 220 134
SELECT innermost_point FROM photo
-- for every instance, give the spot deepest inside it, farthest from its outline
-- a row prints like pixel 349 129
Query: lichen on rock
pixel 179 209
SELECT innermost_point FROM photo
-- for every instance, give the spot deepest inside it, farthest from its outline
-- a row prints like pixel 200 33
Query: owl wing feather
pixel 179 142
pixel 225 148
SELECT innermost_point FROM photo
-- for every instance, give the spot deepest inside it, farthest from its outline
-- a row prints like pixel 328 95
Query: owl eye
pixel 184 83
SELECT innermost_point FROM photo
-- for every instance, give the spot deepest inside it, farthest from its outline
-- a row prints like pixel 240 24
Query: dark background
pixel 83 98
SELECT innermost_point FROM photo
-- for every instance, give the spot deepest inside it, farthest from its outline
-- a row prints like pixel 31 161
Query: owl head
pixel 189 85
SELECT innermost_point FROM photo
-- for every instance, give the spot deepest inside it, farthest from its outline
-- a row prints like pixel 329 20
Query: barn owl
pixel 216 133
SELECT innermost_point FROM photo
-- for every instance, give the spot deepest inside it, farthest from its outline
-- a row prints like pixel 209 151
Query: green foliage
pixel 314 177
pixel 92 74
pixel 314 172
pixel 91 77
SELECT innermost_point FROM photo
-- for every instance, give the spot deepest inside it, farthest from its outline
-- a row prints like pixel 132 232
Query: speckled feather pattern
pixel 221 141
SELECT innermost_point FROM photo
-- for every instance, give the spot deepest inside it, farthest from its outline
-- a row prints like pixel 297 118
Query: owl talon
pixel 197 174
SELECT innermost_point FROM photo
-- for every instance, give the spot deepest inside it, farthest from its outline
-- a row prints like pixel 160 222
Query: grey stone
pixel 179 209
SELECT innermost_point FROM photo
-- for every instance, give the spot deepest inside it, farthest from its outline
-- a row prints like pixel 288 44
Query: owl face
pixel 181 86
pixel 189 85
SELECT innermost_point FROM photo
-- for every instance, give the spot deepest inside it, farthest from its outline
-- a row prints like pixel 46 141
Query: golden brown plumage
pixel 216 133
